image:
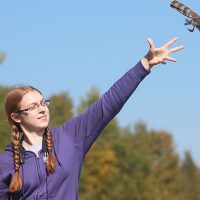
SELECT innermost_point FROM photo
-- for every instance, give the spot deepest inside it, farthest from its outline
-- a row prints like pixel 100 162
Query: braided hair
pixel 51 161
pixel 16 182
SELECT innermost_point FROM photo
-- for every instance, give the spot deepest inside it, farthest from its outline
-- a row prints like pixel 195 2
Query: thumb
pixel 151 43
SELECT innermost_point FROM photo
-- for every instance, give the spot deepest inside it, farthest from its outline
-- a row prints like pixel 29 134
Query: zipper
pixel 40 172
pixel 38 168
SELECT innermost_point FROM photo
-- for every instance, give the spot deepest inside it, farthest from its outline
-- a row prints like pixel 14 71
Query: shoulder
pixel 67 130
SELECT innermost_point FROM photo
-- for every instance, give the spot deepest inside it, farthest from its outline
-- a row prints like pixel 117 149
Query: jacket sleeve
pixel 89 125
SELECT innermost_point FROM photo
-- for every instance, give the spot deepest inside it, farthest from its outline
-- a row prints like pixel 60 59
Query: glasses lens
pixel 47 102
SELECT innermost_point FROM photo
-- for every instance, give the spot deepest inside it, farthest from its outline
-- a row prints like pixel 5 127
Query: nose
pixel 41 108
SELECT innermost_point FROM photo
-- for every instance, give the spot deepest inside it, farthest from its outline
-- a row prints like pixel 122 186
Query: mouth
pixel 42 117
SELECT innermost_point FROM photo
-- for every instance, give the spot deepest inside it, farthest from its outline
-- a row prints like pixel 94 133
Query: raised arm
pixel 90 124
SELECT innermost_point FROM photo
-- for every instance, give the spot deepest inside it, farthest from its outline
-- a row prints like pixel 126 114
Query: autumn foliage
pixel 125 163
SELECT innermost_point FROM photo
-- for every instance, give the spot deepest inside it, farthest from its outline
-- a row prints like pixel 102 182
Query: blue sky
pixel 74 45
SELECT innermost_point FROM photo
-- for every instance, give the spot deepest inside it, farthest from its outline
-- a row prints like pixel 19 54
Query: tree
pixel 61 108
pixel 2 56
pixel 190 179
pixel 148 165
pixel 91 96
pixel 5 131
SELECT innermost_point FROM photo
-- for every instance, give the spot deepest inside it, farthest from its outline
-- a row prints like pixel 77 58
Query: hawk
pixel 194 18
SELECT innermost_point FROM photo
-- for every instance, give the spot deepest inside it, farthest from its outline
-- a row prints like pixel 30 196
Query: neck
pixel 31 138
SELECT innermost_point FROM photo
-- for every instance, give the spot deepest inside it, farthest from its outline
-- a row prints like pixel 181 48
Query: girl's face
pixel 33 115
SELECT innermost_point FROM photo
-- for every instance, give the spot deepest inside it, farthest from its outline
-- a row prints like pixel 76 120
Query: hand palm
pixel 159 55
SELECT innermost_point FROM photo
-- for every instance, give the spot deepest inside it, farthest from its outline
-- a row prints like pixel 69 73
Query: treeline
pixel 124 164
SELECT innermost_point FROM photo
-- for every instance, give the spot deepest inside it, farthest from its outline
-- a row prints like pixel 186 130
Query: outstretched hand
pixel 159 55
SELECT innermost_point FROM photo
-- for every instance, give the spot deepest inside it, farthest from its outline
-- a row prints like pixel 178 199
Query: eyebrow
pixel 34 103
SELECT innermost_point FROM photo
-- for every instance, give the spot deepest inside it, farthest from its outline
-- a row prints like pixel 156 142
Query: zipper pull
pixel 45 156
pixel 38 155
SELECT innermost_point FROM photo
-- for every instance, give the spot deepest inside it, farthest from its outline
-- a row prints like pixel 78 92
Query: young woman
pixel 45 162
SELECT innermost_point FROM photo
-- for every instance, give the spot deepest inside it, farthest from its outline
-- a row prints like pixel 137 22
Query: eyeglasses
pixel 33 107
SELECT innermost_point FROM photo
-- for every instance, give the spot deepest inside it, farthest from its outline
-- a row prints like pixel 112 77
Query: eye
pixel 44 102
pixel 32 107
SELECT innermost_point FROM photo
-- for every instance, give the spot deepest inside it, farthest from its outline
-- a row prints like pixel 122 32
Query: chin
pixel 41 127
pixel 43 124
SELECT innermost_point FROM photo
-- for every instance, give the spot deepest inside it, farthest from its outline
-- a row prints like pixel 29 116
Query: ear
pixel 15 117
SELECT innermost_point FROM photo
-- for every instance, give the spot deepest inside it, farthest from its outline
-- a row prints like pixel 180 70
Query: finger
pixel 176 49
pixel 168 44
pixel 151 43
pixel 170 59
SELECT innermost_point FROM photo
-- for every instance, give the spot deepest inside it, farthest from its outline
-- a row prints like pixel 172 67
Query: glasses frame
pixel 47 103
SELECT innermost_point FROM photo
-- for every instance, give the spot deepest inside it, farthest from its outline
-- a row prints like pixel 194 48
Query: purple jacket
pixel 72 141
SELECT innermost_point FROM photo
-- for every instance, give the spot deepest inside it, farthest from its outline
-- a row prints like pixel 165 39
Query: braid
pixel 51 161
pixel 16 182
